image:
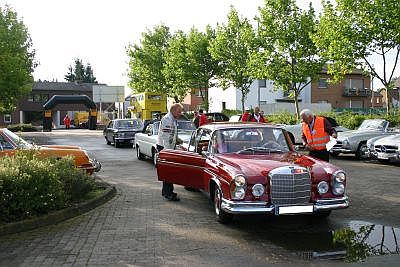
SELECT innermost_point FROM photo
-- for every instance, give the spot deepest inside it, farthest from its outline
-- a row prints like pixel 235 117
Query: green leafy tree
pixel 286 53
pixel 80 73
pixel 202 66
pixel 232 47
pixel 16 60
pixel 176 67
pixel 147 61
pixel 353 32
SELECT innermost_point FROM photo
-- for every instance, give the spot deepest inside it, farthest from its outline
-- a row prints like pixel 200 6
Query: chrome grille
pixel 386 149
pixel 290 188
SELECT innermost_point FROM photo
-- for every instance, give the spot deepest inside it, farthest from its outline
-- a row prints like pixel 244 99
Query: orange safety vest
pixel 318 138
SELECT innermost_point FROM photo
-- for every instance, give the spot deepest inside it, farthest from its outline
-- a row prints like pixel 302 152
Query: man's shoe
pixel 172 197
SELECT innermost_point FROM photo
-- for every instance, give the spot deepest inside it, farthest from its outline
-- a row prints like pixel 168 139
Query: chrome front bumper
pixel 260 207
pixel 341 150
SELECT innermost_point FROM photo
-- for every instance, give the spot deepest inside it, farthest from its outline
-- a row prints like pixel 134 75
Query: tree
pixel 286 53
pixel 147 61
pixel 354 32
pixel 80 73
pixel 176 66
pixel 232 47
pixel 16 60
pixel 202 66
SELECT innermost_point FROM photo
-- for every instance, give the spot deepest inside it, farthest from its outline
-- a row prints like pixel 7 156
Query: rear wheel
pixel 362 151
pixel 139 154
pixel 222 216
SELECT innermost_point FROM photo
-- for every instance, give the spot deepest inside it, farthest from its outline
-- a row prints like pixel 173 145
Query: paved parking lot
pixel 139 228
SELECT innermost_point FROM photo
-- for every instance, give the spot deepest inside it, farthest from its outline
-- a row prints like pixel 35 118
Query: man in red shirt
pixel 256 116
pixel 202 118
pixel 246 115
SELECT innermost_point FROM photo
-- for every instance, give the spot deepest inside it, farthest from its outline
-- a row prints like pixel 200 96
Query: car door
pixel 185 167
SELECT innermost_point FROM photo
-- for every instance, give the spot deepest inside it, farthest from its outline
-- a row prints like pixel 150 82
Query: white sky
pixel 98 31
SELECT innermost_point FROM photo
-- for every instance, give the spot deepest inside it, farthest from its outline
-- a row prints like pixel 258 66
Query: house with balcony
pixel 352 92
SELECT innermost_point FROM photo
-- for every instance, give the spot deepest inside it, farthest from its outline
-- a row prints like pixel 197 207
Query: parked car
pixel 355 141
pixel 10 142
pixel 216 116
pixel 122 131
pixel 295 131
pixel 235 118
pixel 146 141
pixel 248 168
pixel 387 148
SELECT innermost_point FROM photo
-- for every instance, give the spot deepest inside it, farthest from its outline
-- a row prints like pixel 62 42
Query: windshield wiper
pixel 259 149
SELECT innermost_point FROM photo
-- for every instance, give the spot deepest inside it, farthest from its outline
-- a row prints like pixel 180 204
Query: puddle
pixel 352 242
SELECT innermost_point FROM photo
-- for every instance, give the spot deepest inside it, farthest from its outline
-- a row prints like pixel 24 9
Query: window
pixel 4 144
pixel 262 83
pixel 197 92
pixel 323 83
pixel 7 118
pixel 354 84
pixel 223 105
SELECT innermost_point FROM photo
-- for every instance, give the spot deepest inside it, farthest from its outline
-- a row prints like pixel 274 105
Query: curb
pixel 58 216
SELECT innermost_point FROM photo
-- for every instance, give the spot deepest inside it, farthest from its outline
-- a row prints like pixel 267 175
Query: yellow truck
pixel 148 106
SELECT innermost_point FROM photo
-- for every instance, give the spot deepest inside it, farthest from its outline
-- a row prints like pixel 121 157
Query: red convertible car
pixel 249 168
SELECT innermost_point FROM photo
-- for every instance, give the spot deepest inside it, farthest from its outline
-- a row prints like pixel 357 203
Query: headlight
pixel 239 180
pixel 258 190
pixel 323 187
pixel 238 187
pixel 338 189
pixel 339 176
pixel 346 143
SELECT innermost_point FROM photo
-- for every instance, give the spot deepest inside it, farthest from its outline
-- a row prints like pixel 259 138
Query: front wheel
pixel 222 216
pixel 362 151
pixel 139 154
pixel 107 142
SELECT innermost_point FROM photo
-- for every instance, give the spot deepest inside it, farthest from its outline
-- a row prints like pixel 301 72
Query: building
pixel 352 92
pixel 30 108
pixel 194 100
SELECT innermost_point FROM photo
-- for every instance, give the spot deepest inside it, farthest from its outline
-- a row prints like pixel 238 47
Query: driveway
pixel 138 227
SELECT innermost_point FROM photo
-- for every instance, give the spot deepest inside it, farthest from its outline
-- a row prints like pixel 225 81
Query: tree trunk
pixel 387 100
pixel 243 98
pixel 296 104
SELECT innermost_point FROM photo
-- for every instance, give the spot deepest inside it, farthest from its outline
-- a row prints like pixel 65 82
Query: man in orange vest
pixel 316 132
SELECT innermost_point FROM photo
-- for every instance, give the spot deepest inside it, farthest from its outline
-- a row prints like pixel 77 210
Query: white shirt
pixel 167 132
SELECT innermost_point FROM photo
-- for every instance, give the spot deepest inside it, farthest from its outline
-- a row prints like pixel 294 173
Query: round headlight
pixel 340 177
pixel 323 187
pixel 239 193
pixel 240 181
pixel 258 190
pixel 338 189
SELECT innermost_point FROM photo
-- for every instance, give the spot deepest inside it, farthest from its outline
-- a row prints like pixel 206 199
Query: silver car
pixel 387 148
pixel 355 141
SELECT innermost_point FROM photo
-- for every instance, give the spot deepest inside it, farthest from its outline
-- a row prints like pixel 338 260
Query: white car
pixel 146 141
pixel 387 148
pixel 295 131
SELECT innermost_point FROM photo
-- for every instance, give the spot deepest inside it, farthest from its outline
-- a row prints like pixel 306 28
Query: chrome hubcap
pixel 217 201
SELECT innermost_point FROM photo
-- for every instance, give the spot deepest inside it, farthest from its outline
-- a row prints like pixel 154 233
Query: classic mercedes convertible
pixel 248 168
pixel 10 142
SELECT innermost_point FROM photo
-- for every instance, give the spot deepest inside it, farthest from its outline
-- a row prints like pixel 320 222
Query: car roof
pixel 225 125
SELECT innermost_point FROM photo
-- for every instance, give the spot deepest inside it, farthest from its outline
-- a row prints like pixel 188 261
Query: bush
pixel 231 112
pixel 284 117
pixel 22 128
pixel 31 186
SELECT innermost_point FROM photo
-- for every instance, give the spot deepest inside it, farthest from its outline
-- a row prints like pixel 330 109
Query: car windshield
pixel 372 125
pixel 186 126
pixel 249 140
pixel 129 124
pixel 21 143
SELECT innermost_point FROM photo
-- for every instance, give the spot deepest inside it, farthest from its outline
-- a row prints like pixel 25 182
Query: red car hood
pixel 262 164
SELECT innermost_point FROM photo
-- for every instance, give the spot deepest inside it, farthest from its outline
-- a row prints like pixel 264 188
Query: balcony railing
pixel 357 92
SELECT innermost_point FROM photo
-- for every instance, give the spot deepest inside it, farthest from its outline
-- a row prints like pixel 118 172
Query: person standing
pixel 67 122
pixel 316 132
pixel 196 119
pixel 256 116
pixel 167 138
pixel 202 118
pixel 246 115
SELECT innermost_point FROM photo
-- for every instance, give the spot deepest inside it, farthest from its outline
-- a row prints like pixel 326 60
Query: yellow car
pixel 10 142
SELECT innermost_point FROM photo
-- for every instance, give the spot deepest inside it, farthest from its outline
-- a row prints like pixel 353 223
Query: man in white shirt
pixel 167 138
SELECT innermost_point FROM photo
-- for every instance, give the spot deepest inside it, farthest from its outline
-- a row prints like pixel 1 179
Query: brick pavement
pixel 139 228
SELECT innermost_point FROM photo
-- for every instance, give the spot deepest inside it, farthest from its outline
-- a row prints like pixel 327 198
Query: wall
pixel 274 108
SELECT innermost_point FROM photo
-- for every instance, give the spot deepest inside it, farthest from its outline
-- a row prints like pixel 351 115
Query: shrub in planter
pixel 22 128
pixel 31 186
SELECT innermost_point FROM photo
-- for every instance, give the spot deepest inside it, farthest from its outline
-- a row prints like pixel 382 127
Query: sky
pixel 99 31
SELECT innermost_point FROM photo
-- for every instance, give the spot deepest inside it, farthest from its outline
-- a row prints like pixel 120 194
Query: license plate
pixel 293 209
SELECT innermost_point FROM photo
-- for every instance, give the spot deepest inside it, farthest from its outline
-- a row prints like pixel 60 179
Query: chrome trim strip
pixel 178 164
